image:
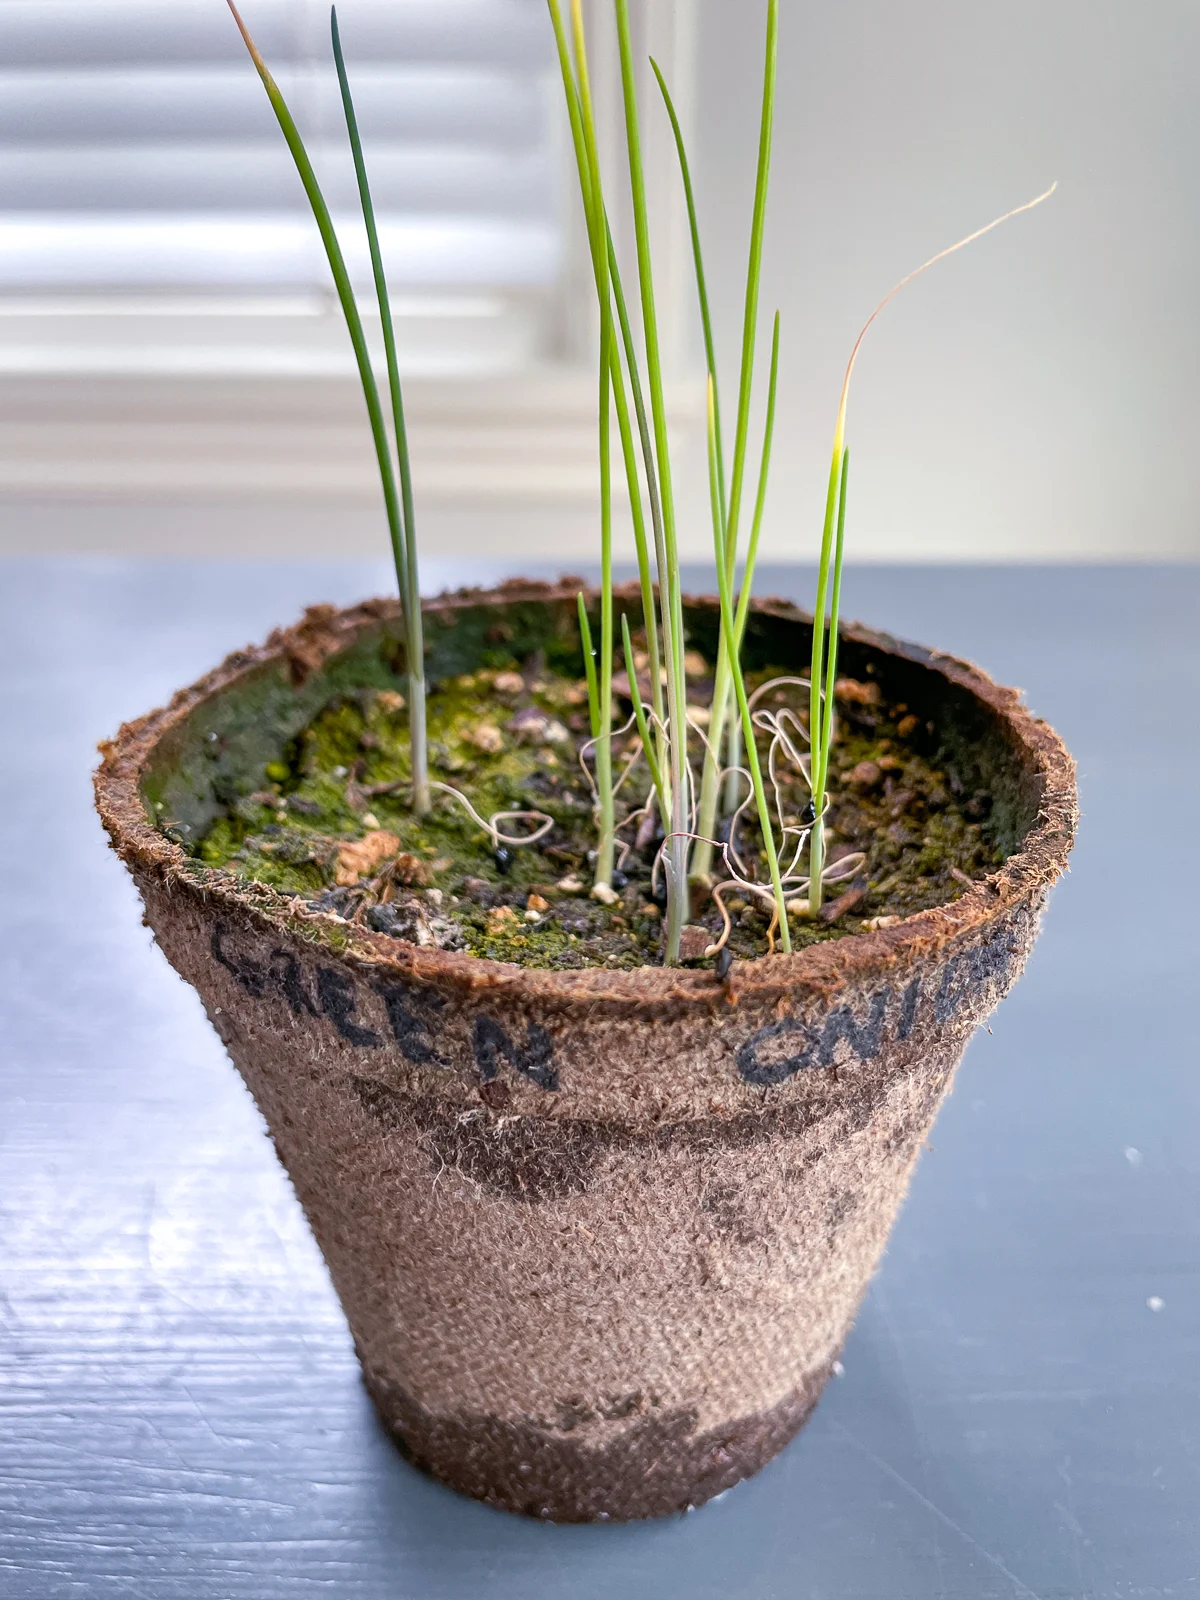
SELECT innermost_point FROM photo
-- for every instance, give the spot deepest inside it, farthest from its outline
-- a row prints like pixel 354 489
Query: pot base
pixel 638 1461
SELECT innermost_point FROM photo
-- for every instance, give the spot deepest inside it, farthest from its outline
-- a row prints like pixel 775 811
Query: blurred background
pixel 175 378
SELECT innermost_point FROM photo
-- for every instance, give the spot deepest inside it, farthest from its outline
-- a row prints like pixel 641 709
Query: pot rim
pixel 821 968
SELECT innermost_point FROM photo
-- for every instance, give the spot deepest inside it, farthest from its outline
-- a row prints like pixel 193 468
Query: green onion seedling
pixel 822 677
pixel 398 502
pixel 631 389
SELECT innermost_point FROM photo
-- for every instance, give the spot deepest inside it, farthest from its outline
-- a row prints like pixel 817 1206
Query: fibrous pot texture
pixel 599 1235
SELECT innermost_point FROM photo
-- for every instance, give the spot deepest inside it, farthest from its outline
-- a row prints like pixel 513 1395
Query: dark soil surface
pixel 334 828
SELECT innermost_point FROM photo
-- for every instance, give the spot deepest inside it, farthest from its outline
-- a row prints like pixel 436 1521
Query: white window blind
pixel 167 321
pixel 143 179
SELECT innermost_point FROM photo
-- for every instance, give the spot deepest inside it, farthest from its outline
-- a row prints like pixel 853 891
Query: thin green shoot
pixel 730 512
pixel 583 137
pixel 835 608
pixel 710 779
pixel 710 356
pixel 578 95
pixel 670 590
pixel 344 288
pixel 598 238
pixel 639 526
pixel 753 278
pixel 645 439
pixel 604 778
pixel 639 711
pixel 589 667
pixel 820 716
pixel 410 583
pixel 358 339
pixel 822 680
pixel 587 164
pixel 760 498
pixel 739 688
pixel 733 758
pixel 817 685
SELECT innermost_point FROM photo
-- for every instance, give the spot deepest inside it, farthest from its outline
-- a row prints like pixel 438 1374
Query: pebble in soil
pixel 333 826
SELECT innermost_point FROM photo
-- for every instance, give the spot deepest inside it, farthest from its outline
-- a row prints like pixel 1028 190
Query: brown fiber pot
pixel 599 1235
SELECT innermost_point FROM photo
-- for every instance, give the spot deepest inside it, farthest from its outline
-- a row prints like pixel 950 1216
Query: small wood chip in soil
pixel 854 896
pixel 360 856
pixel 501 919
pixel 693 942
pixel 856 693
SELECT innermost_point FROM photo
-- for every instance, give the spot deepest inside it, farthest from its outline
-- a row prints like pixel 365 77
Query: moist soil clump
pixel 333 826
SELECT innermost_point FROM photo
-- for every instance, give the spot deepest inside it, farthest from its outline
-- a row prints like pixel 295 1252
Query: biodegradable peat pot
pixel 599 1235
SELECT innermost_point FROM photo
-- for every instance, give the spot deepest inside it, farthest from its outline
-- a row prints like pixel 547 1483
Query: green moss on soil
pixel 515 747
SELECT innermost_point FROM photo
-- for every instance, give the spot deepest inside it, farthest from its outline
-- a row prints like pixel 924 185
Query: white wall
pixel 1037 395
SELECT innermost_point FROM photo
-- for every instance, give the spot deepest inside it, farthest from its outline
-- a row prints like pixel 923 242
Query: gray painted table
pixel 1020 1409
